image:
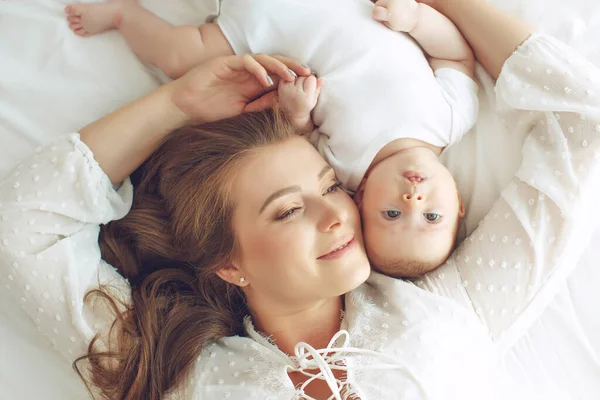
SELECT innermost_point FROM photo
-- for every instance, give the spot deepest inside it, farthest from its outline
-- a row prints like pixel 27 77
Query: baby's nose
pixel 413 197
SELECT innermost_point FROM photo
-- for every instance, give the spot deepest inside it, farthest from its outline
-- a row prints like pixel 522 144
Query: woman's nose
pixel 333 217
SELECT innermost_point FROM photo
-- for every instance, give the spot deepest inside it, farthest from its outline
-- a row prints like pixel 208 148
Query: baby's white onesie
pixel 379 86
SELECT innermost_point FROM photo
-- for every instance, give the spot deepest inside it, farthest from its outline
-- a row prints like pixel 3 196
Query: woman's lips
pixel 340 249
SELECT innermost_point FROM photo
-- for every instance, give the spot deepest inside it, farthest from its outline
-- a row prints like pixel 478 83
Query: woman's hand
pixel 221 88
pixel 228 86
pixel 492 33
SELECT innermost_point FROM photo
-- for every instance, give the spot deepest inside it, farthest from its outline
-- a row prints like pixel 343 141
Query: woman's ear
pixel 232 274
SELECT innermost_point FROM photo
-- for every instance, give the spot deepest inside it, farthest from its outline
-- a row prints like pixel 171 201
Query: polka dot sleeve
pixel 509 269
pixel 51 207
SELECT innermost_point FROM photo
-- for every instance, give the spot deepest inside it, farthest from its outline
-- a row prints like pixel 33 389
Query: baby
pixel 383 118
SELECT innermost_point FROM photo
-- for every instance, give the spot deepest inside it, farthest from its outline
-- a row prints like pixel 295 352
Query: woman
pixel 251 237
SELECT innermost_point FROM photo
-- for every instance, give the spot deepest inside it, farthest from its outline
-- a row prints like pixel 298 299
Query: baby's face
pixel 410 210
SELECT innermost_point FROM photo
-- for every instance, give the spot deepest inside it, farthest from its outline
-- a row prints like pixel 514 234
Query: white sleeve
pixel 510 268
pixel 51 208
pixel 460 91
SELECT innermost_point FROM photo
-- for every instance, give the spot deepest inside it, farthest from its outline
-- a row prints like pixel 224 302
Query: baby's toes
pixel 74 10
pixel 75 26
pixel 81 32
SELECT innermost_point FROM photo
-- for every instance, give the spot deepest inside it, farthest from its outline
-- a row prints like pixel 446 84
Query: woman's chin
pixel 350 270
pixel 356 276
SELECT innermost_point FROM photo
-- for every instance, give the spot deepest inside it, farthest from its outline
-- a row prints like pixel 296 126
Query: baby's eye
pixel 391 214
pixel 432 217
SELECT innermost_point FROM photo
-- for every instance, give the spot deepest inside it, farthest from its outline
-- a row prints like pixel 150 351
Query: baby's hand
pixel 398 15
pixel 298 98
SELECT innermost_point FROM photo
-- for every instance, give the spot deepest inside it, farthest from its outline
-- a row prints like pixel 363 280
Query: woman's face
pixel 298 233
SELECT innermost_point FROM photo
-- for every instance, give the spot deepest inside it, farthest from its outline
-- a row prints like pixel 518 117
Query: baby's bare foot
pixel 91 18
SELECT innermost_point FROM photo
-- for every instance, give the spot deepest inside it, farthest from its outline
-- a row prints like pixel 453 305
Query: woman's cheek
pixel 298 242
pixel 351 209
pixel 285 243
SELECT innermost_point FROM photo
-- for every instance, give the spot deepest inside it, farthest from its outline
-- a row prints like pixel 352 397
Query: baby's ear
pixel 358 196
pixel 461 206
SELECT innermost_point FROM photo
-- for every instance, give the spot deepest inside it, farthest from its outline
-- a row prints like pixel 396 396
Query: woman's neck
pixel 315 324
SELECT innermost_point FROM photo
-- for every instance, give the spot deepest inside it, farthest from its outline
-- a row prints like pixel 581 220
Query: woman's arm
pixel 52 205
pixel 51 209
pixel 221 88
pixel 492 34
pixel 510 268
pixel 122 140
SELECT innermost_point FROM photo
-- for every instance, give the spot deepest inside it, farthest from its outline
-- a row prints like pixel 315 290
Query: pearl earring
pixel 242 280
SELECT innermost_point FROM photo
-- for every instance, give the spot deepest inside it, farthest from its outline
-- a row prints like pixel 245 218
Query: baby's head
pixel 411 211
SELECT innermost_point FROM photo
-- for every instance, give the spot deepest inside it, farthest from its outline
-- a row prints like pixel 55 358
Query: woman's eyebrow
pixel 325 170
pixel 278 194
pixel 290 189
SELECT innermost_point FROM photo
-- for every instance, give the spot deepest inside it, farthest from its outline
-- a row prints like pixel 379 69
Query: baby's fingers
pixel 310 84
pixel 320 84
pixel 299 83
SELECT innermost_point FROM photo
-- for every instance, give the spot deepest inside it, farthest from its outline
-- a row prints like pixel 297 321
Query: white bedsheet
pixel 52 82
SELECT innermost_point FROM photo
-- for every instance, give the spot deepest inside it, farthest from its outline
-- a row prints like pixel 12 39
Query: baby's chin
pixel 399 264
pixel 408 268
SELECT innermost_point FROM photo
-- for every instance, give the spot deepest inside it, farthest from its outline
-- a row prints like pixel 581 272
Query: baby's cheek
pixel 371 236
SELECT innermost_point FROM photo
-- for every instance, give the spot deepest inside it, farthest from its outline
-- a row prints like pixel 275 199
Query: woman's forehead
pixel 274 167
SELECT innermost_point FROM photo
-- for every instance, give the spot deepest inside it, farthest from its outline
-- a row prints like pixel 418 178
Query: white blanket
pixel 52 82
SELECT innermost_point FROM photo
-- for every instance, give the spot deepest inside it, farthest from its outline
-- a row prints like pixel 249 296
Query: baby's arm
pixel 434 32
pixel 298 98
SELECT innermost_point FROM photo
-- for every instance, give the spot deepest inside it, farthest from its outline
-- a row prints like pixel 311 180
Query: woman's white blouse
pixel 436 338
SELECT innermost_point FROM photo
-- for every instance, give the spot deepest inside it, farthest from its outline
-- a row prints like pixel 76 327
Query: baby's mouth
pixel 414 176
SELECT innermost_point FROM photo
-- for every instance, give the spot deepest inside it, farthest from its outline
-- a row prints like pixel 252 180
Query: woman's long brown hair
pixel 176 236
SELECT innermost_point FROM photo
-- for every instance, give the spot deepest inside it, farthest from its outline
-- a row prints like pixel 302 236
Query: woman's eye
pixel 391 214
pixel 432 217
pixel 287 214
pixel 333 188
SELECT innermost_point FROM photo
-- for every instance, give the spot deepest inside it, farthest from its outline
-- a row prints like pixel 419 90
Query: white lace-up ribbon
pixel 331 358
